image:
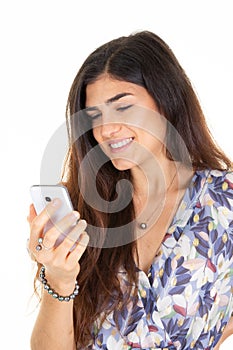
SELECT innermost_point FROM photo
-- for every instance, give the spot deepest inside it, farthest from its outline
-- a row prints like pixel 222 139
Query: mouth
pixel 120 145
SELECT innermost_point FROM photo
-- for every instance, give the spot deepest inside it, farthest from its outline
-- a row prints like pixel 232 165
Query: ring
pixel 41 245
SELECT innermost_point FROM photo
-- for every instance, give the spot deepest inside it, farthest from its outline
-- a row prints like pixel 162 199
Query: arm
pixel 54 325
pixel 226 333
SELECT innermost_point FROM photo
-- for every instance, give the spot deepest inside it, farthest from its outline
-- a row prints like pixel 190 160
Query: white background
pixel 43 44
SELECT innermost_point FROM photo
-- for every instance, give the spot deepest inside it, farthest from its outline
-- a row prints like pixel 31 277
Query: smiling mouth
pixel 115 146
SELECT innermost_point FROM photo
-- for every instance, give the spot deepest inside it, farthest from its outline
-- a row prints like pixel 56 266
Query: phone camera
pixel 48 199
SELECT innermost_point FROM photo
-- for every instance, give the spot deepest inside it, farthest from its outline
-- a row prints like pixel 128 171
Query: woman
pixel 155 270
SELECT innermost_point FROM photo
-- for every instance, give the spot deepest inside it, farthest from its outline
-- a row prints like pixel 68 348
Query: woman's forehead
pixel 106 88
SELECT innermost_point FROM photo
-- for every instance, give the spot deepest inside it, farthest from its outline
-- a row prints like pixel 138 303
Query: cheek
pixel 154 143
pixel 97 134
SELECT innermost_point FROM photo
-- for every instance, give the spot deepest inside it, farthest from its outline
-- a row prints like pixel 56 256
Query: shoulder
pixel 215 199
pixel 221 176
pixel 221 183
pixel 214 214
pixel 217 188
pixel 216 176
pixel 214 190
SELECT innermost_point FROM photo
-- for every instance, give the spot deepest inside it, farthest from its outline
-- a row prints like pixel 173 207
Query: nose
pixel 108 130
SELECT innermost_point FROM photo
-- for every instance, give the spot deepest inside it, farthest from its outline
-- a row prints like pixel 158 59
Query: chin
pixel 121 164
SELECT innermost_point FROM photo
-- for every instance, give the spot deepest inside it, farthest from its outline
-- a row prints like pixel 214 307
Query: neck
pixel 159 184
pixel 153 179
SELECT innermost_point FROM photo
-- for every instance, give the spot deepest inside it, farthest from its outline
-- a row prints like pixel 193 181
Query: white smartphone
pixel 43 194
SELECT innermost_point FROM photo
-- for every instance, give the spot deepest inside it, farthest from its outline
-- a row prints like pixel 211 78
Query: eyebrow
pixel 110 100
pixel 118 96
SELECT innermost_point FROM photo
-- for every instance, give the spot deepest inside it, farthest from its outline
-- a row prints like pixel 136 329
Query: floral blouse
pixel 186 299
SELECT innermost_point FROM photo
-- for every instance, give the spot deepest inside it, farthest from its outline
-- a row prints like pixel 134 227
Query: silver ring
pixel 38 247
pixel 41 245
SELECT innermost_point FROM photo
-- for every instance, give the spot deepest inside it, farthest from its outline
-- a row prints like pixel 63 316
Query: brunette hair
pixel 145 59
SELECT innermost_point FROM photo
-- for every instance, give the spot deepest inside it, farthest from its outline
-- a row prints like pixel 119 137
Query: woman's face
pixel 125 122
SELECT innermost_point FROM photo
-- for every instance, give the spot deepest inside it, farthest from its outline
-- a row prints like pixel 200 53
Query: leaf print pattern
pixel 186 299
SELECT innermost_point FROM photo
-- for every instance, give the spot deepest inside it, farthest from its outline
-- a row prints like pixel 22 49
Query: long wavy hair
pixel 141 58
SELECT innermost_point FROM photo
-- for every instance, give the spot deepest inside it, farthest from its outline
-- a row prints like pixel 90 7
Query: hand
pixel 62 247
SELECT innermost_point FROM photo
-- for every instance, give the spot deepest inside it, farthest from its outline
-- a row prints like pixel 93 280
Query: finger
pixel 67 244
pixel 46 253
pixel 80 248
pixel 39 222
pixel 47 213
pixel 32 214
pixel 31 255
pixel 77 230
pixel 60 230
pixel 44 218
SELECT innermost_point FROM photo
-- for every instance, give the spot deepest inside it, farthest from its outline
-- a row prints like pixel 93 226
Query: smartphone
pixel 43 194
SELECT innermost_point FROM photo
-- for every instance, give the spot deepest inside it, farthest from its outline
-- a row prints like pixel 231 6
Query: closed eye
pixel 93 116
pixel 123 108
pixel 93 113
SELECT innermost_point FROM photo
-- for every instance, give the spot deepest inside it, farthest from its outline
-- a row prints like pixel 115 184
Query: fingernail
pixel 83 221
pixel 85 238
pixel 76 214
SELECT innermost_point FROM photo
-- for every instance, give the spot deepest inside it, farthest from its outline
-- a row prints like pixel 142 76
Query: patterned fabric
pixel 186 299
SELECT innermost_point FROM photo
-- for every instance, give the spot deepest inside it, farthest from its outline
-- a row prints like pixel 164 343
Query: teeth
pixel 121 143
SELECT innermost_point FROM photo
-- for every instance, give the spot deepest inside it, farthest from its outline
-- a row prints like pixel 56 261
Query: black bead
pixel 52 292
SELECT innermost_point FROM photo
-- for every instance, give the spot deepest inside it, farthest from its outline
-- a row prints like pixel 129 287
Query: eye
pixel 123 108
pixel 93 116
